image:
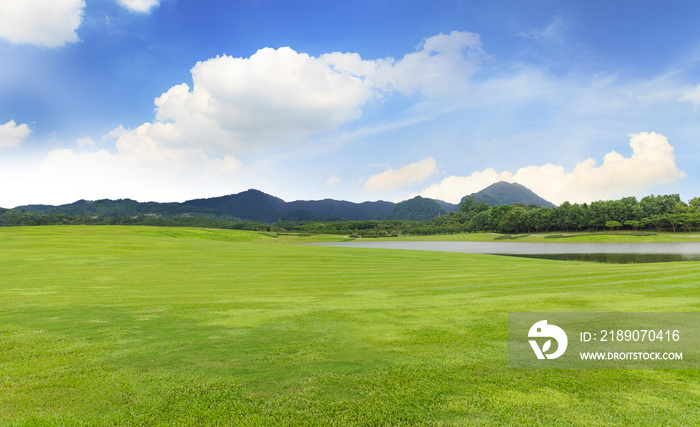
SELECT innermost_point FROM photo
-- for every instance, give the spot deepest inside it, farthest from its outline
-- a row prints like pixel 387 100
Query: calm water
pixel 597 252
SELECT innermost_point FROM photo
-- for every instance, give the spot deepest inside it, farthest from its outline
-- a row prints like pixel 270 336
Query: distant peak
pixel 508 193
pixel 506 184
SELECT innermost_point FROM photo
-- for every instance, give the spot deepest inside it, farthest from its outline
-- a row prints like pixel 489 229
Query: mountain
pixel 258 206
pixel 340 209
pixel 448 207
pixel 255 205
pixel 111 208
pixel 505 193
pixel 248 205
pixel 418 209
pixel 252 204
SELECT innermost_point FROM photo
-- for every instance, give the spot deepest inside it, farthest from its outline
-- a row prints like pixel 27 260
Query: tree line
pixel 661 212
pixel 651 212
pixel 14 218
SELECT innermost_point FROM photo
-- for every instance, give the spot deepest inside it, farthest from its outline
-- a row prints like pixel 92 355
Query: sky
pixel 171 100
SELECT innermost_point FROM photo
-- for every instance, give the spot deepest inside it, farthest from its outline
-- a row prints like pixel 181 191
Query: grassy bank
pixel 574 237
pixel 140 325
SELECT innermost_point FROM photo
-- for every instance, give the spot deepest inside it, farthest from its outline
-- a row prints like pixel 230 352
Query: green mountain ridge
pixel 505 193
pixel 417 209
pixel 256 205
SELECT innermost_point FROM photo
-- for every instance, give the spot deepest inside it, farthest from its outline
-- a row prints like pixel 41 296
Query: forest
pixel 656 213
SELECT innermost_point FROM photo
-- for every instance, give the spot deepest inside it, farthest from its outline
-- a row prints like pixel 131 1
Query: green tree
pixel 650 206
pixel 467 204
pixel 634 224
pixel 596 215
pixel 543 219
pixel 511 220
pixel 483 221
pixel 657 221
pixel 529 219
pixel 674 219
pixel 691 220
pixel 636 213
pixel 559 216
pixel 695 204
pixel 613 224
pixel 575 219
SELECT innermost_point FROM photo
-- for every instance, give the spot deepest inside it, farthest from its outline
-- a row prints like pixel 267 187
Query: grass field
pixel 160 326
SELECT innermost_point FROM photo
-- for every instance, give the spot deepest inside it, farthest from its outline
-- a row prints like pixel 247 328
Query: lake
pixel 596 252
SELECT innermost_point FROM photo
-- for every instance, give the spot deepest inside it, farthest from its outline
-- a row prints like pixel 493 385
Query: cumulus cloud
pixel 409 174
pixel 66 175
pixel 240 106
pixel 441 66
pixel 273 98
pixel 12 134
pixel 136 170
pixel 139 149
pixel 280 97
pixel 85 142
pixel 142 6
pixel 652 162
pixel 39 22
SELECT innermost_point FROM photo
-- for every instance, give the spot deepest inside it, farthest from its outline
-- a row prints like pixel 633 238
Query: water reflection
pixel 620 253
pixel 613 258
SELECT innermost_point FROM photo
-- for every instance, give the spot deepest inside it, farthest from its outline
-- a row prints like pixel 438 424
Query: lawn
pixel 173 326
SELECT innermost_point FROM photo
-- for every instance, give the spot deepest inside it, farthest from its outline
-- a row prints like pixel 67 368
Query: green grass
pixel 167 326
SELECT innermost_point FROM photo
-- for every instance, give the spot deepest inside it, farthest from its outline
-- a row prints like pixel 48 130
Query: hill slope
pixel 247 205
pixel 111 208
pixel 329 208
pixel 505 193
pixel 417 209
pixel 250 204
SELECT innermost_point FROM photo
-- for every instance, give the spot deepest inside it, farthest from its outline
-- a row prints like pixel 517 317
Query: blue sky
pixel 171 100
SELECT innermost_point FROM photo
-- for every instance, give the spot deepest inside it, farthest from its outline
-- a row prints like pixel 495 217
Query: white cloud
pixel 280 97
pixel 440 67
pixel 274 98
pixel 65 175
pixel 138 148
pixel 692 96
pixel 443 66
pixel 652 162
pixel 333 181
pixel 142 6
pixel 553 31
pixel 40 22
pixel 140 169
pixel 409 174
pixel 85 142
pixel 12 134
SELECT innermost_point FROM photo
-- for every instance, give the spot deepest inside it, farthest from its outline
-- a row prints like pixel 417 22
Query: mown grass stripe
pixel 139 325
